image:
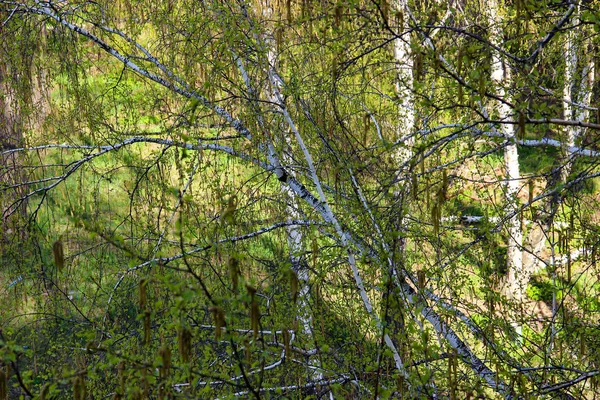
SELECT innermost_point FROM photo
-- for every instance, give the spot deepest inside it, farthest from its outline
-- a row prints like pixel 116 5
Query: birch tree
pixel 516 280
pixel 268 43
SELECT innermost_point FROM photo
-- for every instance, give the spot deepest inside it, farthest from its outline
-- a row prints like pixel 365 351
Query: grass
pixel 537 160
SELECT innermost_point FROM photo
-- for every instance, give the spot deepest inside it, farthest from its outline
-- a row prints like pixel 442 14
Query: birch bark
pixel 577 91
pixel 404 86
pixel 276 83
pixel 295 236
pixel 516 279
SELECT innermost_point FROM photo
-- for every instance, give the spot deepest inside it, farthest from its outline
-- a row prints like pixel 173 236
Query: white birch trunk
pixel 404 85
pixel 295 237
pixel 516 280
pixel 576 95
pixel 568 92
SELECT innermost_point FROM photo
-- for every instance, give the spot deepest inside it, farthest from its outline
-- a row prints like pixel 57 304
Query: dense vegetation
pixel 299 199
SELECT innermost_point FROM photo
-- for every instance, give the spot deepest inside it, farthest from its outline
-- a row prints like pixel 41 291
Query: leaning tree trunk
pixel 297 248
pixel 296 243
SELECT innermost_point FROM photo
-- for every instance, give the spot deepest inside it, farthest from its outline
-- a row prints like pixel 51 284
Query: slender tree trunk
pixel 404 87
pixel 569 98
pixel 295 236
pixel 299 266
pixel 404 129
pixel 516 281
pixel 517 278
pixel 577 92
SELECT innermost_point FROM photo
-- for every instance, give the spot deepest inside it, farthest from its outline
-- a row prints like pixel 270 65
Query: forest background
pixel 299 199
